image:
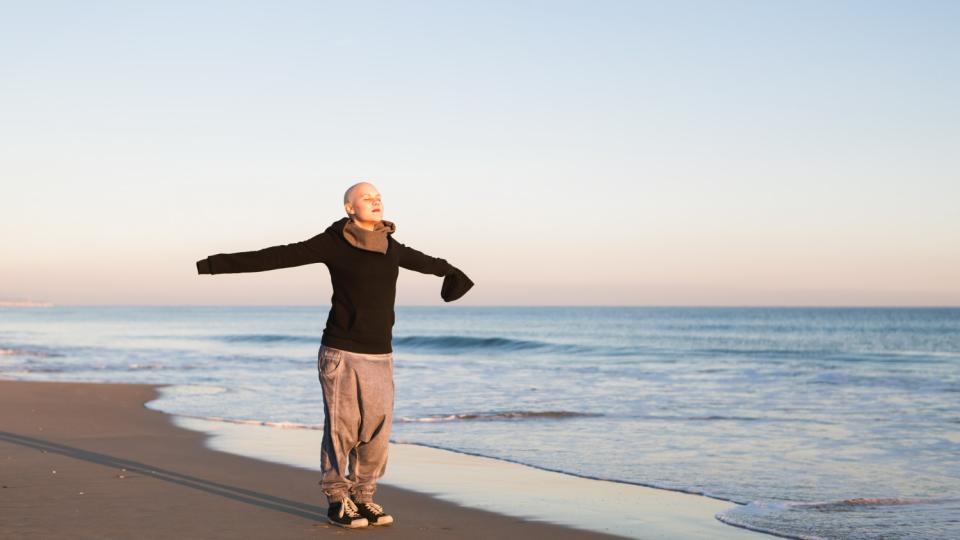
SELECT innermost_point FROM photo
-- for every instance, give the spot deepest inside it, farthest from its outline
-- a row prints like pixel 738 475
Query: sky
pixel 738 153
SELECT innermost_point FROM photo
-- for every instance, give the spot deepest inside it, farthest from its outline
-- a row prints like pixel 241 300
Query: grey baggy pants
pixel 358 414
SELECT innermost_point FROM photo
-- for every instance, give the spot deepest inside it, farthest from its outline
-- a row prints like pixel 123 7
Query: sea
pixel 815 423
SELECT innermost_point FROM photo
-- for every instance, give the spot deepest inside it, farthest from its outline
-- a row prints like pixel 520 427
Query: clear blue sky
pixel 648 153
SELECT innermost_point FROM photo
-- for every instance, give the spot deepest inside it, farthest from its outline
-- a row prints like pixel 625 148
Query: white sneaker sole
pixel 356 525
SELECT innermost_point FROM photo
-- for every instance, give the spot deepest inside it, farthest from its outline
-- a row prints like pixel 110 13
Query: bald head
pixel 362 202
pixel 356 189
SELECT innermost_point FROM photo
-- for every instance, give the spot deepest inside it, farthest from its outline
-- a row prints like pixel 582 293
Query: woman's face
pixel 367 206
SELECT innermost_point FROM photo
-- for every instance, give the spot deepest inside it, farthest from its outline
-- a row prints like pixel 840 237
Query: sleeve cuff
pixel 455 285
pixel 203 266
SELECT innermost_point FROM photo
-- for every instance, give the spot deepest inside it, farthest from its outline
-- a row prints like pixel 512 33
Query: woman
pixel 355 361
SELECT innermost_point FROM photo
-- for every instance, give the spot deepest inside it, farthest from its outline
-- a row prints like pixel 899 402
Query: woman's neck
pixel 371 226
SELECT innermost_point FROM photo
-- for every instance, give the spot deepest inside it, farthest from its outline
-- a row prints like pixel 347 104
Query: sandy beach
pixel 90 461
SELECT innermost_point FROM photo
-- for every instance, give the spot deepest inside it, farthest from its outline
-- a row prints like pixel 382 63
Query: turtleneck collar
pixel 375 240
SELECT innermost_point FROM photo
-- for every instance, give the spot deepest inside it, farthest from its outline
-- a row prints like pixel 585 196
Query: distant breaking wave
pixel 453 344
pixel 506 415
pixel 267 338
pixel 871 501
pixel 27 352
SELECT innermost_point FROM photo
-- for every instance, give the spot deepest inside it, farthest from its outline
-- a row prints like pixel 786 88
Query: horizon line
pixel 792 306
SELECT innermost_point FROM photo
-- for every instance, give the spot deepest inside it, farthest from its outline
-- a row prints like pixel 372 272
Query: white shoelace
pixel 376 507
pixel 349 509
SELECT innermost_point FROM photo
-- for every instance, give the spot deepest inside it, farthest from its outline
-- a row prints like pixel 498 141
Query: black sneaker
pixel 344 513
pixel 373 513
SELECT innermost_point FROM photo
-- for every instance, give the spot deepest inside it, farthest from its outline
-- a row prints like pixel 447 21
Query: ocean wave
pixel 136 366
pixel 743 517
pixel 833 354
pixel 282 425
pixel 769 516
pixel 455 342
pixel 843 504
pixel 503 415
pixel 506 415
pixel 459 343
pixel 444 343
pixel 267 338
pixel 38 370
pixel 27 351
pixel 733 418
pixel 710 417
pixel 272 360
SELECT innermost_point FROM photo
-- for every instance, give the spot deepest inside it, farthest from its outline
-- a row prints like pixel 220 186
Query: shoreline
pixel 210 481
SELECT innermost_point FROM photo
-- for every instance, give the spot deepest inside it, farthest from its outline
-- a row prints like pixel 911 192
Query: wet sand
pixel 83 460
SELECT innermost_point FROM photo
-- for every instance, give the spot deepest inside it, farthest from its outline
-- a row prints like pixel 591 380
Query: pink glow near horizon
pixel 631 155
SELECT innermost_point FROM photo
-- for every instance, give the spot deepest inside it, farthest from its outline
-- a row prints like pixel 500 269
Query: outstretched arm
pixel 455 282
pixel 412 259
pixel 313 250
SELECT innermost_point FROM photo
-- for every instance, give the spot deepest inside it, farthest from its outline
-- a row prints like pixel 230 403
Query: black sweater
pixel 364 282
